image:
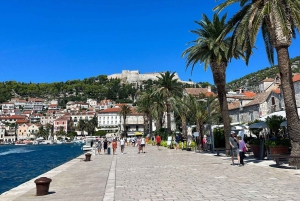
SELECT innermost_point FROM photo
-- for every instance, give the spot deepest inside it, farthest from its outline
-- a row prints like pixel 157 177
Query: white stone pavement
pixel 164 175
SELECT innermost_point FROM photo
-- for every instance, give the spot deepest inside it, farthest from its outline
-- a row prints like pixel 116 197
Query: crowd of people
pixel 237 145
pixel 139 142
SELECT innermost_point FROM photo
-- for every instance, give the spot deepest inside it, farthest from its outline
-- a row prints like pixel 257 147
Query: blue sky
pixel 54 40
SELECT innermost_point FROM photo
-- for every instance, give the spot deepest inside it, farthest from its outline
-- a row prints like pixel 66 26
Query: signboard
pixel 196 134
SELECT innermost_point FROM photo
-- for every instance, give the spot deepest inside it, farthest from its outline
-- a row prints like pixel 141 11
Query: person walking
pixel 234 147
pixel 105 143
pixel 177 141
pixel 122 144
pixel 128 141
pixel 158 140
pixel 147 140
pixel 99 147
pixel 242 149
pixel 143 144
pixel 204 143
pixel 139 144
pixel 153 140
pixel 114 146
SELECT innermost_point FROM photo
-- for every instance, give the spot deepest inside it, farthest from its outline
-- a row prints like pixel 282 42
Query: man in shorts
pixel 158 140
pixel 122 143
pixel 234 150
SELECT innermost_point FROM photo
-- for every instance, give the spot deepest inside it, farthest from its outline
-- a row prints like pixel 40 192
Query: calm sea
pixel 19 164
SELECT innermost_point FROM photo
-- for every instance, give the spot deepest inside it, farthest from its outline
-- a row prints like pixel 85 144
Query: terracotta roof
pixel 13 117
pixel 234 105
pixel 21 121
pixel 268 80
pixel 196 91
pixel 110 110
pixel 249 93
pixel 27 112
pixel 277 91
pixel 296 78
pixel 259 98
pixel 208 94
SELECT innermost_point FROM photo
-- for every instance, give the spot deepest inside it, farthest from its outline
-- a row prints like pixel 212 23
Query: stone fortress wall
pixel 134 76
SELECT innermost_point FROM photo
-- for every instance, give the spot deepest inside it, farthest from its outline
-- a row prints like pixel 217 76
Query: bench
pixel 220 149
pixel 278 157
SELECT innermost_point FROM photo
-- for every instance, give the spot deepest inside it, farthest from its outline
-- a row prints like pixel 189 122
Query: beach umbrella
pixel 283 123
pixel 261 124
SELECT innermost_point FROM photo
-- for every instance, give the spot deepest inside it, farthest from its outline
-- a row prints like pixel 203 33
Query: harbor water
pixel 19 164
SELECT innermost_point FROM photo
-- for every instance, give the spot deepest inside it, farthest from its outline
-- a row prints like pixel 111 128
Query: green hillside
pixel 251 81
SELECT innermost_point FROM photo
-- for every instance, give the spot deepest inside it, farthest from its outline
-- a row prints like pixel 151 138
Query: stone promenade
pixel 164 175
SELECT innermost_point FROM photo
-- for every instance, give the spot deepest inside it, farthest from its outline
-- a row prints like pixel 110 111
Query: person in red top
pixel 158 140
pixel 114 146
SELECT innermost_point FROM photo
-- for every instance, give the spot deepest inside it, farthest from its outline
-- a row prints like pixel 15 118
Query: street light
pixel 209 123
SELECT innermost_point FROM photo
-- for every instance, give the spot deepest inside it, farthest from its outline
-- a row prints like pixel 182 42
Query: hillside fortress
pixel 134 77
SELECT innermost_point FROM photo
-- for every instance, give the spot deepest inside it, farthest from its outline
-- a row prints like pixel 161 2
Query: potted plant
pixel 254 144
pixel 278 146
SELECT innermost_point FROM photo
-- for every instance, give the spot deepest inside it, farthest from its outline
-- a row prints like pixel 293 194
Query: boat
pixel 23 142
pixel 90 141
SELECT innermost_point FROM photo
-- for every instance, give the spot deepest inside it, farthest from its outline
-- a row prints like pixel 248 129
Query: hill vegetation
pixel 251 81
pixel 97 88
pixel 100 87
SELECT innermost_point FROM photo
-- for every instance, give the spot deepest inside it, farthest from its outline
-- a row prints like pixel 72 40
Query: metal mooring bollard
pixel 42 185
pixel 88 157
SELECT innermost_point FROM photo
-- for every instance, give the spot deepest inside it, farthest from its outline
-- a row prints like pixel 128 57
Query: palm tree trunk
pixel 183 125
pixel 146 124
pixel 150 125
pixel 168 119
pixel 219 74
pixel 198 128
pixel 287 86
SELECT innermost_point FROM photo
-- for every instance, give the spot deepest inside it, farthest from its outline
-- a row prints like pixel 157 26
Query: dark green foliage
pixel 252 80
pixel 162 132
pixel 274 122
pixel 97 88
pixel 219 137
pixel 278 142
pixel 100 133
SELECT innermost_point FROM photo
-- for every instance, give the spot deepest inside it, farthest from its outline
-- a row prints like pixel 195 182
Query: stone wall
pixel 130 77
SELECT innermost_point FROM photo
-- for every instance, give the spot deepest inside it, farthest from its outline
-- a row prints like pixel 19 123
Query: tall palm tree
pixel 124 112
pixel 209 50
pixel 144 106
pixel 169 86
pixel 158 108
pixel 278 21
pixel 81 126
pixel 89 127
pixel 181 106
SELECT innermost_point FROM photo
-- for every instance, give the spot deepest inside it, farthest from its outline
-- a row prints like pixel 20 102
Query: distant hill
pixel 251 81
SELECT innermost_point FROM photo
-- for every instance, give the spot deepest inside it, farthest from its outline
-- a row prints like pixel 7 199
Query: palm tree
pixel 89 127
pixel 158 109
pixel 124 112
pixel 181 106
pixel 169 86
pixel 144 106
pixel 209 50
pixel 81 126
pixel 278 20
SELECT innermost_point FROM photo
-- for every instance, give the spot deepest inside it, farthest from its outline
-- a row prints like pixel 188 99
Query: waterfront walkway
pixel 164 175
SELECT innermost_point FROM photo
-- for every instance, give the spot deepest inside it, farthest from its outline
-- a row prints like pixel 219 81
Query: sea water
pixel 19 164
